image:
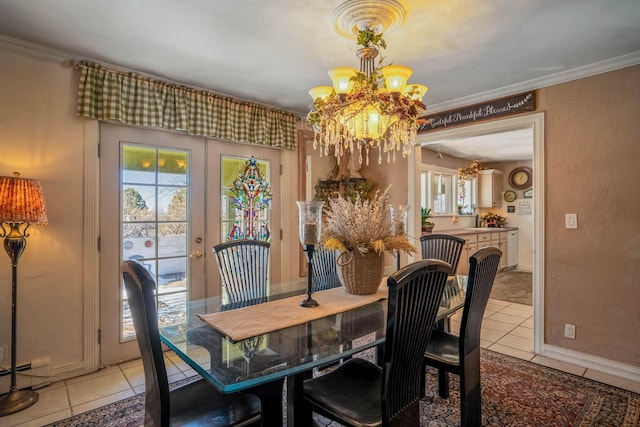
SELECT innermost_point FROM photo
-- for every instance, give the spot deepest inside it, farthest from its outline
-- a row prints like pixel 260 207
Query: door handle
pixel 195 254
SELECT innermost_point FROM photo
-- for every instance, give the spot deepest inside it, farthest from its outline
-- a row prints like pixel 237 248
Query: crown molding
pixel 33 50
pixel 607 65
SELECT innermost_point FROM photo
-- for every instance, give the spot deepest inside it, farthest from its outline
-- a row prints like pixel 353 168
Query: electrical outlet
pixel 570 331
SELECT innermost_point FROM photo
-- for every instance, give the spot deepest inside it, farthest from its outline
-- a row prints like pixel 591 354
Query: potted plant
pixel 425 214
pixel 361 231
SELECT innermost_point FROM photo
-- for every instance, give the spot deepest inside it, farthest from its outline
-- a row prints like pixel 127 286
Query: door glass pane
pixel 155 202
pixel 246 198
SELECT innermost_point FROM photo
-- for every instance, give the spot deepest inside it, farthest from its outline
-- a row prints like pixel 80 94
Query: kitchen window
pixel 444 193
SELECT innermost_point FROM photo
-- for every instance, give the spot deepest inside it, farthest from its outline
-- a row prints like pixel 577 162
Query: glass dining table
pixel 260 364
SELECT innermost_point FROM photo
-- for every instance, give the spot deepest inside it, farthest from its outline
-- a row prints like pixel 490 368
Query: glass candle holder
pixel 310 222
pixel 399 219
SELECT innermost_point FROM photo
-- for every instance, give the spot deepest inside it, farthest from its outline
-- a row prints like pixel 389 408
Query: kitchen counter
pixel 477 230
pixel 503 238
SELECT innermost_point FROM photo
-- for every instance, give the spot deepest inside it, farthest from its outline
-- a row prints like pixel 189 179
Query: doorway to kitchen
pixel 535 123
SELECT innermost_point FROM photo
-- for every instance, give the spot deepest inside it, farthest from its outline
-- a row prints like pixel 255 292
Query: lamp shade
pixel 341 78
pixel 396 76
pixel 320 92
pixel 415 91
pixel 21 200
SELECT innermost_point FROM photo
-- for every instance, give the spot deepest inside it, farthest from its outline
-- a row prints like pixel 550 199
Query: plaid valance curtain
pixel 105 94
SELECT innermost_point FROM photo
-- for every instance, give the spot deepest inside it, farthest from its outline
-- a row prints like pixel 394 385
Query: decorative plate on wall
pixel 510 196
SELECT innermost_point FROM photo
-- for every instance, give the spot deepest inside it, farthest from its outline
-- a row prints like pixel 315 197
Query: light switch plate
pixel 571 221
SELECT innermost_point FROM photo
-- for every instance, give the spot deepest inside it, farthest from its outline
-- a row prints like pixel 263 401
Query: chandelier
pixel 375 106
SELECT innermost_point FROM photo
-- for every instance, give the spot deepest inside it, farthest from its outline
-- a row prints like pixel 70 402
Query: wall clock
pixel 509 196
pixel 521 178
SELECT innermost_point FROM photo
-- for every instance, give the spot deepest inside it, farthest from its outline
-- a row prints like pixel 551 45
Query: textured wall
pixel 592 149
pixel 41 137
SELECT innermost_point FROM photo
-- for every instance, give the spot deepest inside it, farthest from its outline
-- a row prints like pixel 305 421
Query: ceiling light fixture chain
pixel 373 107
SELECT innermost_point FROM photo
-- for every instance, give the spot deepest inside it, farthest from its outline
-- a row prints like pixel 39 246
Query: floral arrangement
pixel 470 171
pixel 362 225
pixel 493 220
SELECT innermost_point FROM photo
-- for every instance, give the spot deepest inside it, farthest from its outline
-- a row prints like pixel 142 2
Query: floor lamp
pixel 21 204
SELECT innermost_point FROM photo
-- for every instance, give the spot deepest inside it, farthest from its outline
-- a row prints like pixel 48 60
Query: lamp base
pixel 17 400
pixel 309 303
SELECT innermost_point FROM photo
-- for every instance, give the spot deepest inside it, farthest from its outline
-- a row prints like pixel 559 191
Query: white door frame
pixel 536 122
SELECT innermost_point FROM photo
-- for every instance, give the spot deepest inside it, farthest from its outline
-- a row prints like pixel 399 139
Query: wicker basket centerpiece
pixel 361 230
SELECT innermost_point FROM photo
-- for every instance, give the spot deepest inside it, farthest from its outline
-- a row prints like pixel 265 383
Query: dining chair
pixel 244 269
pixel 445 247
pixel 460 355
pixel 325 274
pixel 196 403
pixel 360 393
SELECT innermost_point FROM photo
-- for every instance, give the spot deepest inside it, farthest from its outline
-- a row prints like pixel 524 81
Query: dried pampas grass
pixel 362 225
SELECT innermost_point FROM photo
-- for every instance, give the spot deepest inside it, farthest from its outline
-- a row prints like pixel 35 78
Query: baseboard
pixel 31 375
pixel 63 372
pixel 611 367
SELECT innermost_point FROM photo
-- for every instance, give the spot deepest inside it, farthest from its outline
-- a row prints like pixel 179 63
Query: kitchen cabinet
pixel 470 246
pixel 504 247
pixel 505 240
pixel 490 188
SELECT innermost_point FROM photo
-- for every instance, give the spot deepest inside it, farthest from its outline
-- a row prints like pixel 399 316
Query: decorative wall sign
pixel 525 207
pixel 511 209
pixel 500 107
pixel 528 194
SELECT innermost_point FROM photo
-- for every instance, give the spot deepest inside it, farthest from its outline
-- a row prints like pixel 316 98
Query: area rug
pixel 513 286
pixel 514 393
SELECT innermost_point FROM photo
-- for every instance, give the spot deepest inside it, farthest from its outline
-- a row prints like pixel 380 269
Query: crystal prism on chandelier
pixel 371 108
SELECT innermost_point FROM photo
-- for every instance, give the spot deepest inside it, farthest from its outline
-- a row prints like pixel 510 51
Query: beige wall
pixel 591 155
pixel 592 150
pixel 41 137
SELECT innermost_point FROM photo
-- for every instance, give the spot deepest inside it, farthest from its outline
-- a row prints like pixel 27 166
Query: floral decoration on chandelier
pixel 467 172
pixel 371 108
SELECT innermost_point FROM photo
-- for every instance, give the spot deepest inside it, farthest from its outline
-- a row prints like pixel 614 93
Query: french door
pixel 161 198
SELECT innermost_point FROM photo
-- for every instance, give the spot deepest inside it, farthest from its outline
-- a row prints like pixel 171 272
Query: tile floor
pixel 507 329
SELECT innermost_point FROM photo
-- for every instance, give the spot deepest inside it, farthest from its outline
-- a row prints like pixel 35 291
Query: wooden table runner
pixel 263 318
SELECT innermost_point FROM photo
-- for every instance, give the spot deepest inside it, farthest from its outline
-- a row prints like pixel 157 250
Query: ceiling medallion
pixel 374 107
pixel 379 16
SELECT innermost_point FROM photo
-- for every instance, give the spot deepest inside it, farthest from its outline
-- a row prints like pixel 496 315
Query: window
pixel 444 193
pixel 467 196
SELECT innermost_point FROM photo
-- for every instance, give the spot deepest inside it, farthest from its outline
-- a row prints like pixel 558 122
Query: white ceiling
pixel 273 51
pixel 497 147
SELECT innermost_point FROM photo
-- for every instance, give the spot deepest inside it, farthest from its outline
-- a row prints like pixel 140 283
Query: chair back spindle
pixel 325 275
pixel 443 247
pixel 244 269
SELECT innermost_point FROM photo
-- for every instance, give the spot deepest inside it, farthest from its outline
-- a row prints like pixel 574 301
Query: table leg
pixel 296 413
pixel 270 395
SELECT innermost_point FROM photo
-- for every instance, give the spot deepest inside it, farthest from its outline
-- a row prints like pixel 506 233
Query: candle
pixel 309 233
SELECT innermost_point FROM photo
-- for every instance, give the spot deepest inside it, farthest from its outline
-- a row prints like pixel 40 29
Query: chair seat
pixel 443 348
pixel 351 393
pixel 200 404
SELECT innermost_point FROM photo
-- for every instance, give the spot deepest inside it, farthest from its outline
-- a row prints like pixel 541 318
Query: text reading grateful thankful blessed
pixel 500 107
